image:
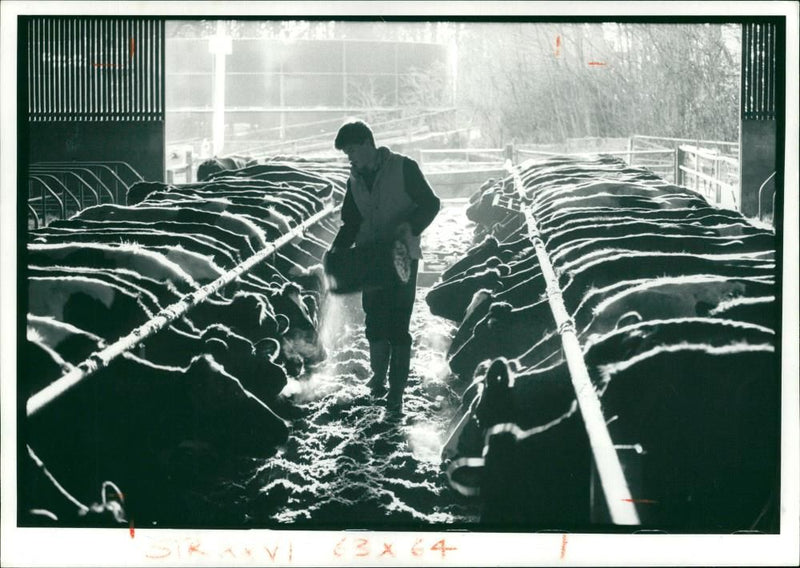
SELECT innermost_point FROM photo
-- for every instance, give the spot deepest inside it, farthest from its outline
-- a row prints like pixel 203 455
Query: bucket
pixel 365 267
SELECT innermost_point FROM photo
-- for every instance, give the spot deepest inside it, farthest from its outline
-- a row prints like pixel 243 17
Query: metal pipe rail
pixel 99 183
pixel 36 220
pixel 83 185
pixel 325 136
pixel 609 153
pixel 115 180
pixel 704 153
pixel 716 142
pixel 615 486
pixel 707 178
pixel 760 189
pixel 163 318
pixel 43 198
pixel 115 163
pixel 38 175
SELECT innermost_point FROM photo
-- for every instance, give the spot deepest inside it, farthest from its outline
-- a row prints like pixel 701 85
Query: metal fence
pixel 713 175
pixel 58 190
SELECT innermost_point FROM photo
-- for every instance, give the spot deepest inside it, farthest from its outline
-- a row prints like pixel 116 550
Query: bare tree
pixel 549 82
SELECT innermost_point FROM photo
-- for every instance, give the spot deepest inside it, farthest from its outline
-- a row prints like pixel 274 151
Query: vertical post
pixel 282 102
pixel 509 152
pixel 344 73
pixel 630 151
pixel 44 206
pixel 396 79
pixel 717 180
pixel 697 165
pixel 189 166
pixel 454 70
pixel 219 46
pixel 678 164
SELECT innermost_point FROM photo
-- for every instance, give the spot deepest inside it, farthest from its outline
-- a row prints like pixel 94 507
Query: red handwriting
pixel 442 547
pixel 563 546
pixel 131 53
pixel 361 547
pixel 557 53
pixel 387 549
pixel 189 548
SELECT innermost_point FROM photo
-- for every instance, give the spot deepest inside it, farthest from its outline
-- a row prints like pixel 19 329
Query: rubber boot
pixel 398 377
pixel 379 354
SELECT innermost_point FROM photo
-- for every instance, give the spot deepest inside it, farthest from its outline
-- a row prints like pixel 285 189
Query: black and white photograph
pixel 399 283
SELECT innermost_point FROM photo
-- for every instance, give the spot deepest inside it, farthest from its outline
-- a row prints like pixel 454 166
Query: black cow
pixel 675 392
pixel 214 166
pixel 123 423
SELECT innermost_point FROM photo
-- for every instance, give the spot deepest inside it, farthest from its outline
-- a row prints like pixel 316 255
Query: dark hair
pixel 353 132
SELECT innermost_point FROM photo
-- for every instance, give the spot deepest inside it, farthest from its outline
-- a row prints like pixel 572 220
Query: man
pixel 388 199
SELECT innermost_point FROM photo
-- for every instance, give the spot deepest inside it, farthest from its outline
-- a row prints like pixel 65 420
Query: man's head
pixel 355 139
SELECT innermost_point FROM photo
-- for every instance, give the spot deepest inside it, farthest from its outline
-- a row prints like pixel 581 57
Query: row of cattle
pixel 674 304
pixel 207 385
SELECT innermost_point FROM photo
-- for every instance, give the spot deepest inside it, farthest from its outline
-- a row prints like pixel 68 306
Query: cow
pixel 256 368
pixel 509 331
pixel 689 363
pixel 231 244
pixel 106 309
pixel 140 191
pixel 663 242
pixel 72 344
pixel 201 390
pixel 185 214
pixel 661 289
pixel 300 343
pixel 450 298
pixel 213 166
pixel 123 422
pixel 273 223
pixel 322 184
pixel 133 258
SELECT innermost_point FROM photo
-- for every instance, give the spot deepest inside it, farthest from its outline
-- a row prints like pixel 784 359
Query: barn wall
pixel 95 90
pixel 762 80
pixel 758 162
pixel 141 144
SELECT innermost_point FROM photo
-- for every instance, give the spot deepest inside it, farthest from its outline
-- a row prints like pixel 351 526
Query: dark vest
pixel 388 204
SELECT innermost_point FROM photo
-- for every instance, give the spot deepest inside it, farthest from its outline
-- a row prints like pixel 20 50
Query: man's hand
pixel 403 233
